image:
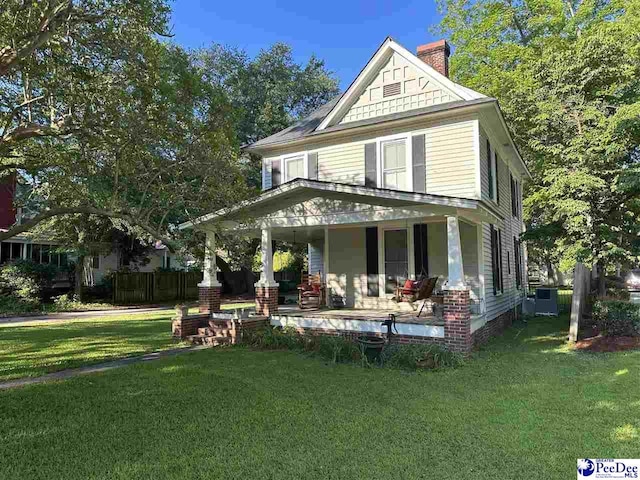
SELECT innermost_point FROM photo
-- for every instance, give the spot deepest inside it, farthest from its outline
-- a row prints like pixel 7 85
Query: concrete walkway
pixel 100 367
pixel 51 317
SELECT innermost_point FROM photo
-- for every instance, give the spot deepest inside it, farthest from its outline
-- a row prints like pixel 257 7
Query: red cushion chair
pixel 311 291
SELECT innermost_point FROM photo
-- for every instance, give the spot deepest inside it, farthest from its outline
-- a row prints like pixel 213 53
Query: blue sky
pixel 343 33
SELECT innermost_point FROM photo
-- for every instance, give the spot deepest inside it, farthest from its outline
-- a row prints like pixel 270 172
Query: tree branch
pixel 54 212
pixel 10 57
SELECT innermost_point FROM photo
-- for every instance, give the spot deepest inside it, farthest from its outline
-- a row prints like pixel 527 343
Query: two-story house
pixel 405 175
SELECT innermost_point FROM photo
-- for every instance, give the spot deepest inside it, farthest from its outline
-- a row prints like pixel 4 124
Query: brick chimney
pixel 436 55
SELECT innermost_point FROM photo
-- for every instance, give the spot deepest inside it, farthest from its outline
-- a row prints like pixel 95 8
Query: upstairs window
pixel 293 168
pixel 394 164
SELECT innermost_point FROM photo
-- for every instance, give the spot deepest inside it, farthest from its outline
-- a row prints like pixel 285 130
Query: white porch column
pixel 454 256
pixel 325 260
pixel 210 277
pixel 266 277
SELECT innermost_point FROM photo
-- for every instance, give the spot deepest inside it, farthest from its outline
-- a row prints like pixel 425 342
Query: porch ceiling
pixel 291 195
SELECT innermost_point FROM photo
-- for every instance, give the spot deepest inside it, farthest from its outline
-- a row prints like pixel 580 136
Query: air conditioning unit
pixel 546 301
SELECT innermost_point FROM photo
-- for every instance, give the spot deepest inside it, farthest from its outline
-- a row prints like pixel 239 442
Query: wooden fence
pixel 150 287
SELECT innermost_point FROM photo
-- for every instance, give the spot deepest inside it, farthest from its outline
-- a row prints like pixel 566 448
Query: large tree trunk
pixel 552 276
pixel 79 276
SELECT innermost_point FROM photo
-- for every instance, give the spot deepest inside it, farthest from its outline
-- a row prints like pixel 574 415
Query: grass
pixel 524 406
pixel 35 348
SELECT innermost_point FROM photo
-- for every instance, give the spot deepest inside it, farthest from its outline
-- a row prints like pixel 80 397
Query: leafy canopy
pixel 567 75
pixel 98 116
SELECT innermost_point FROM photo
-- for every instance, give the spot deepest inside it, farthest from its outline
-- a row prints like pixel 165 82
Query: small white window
pixel 294 168
pixel 394 164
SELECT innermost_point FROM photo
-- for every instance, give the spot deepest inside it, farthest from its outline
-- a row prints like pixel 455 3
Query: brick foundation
pixel 182 327
pixel 494 327
pixel 209 299
pixel 266 300
pixel 457 321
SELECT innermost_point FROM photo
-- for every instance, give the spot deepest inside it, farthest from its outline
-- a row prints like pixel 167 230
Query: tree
pixel 269 92
pixel 99 117
pixel 566 73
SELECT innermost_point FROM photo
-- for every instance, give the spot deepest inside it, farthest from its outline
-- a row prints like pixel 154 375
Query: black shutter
pixel 420 243
pixel 370 165
pixel 419 164
pixel 517 199
pixel 497 179
pixel 513 196
pixel 494 263
pixel 500 260
pixel 516 258
pixel 313 166
pixel 371 246
pixel 490 169
pixel 276 177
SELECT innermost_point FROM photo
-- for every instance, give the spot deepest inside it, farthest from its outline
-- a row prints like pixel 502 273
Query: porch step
pixel 209 340
pixel 215 331
pixel 221 324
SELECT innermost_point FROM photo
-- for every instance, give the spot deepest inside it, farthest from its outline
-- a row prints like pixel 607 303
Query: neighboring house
pixel 405 175
pixel 159 256
pixel 42 250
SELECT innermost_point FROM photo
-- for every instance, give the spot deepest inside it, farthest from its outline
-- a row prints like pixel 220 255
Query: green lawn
pixel 33 348
pixel 524 407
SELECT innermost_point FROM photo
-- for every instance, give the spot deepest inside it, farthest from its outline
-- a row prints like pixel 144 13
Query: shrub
pixel 270 338
pixel 26 280
pixel 11 305
pixel 414 357
pixel 334 348
pixel 616 317
pixel 618 293
pixel 65 302
pixel 338 349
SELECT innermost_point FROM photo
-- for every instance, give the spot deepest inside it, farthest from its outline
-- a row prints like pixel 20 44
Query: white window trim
pixel 284 159
pixel 408 164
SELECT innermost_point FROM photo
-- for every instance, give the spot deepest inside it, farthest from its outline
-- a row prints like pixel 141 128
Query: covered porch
pixel 364 242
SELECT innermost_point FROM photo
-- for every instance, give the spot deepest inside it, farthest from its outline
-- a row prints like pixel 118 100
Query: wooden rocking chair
pixel 311 291
pixel 426 291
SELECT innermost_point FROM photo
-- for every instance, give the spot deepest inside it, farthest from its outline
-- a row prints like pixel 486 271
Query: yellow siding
pixel 342 163
pixel 451 160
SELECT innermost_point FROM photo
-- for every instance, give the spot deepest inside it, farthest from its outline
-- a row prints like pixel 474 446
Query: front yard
pixel 35 348
pixel 525 406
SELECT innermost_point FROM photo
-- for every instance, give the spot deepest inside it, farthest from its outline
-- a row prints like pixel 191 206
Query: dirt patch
pixel 608 344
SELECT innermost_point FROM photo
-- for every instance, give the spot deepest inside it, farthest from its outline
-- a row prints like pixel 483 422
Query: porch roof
pixel 300 190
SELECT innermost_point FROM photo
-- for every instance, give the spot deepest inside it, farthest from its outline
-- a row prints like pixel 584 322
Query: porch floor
pixel 427 318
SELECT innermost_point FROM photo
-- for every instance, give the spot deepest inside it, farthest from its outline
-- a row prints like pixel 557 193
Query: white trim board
pixel 365 326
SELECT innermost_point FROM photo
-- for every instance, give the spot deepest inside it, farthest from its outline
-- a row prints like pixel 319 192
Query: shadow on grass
pixel 37 349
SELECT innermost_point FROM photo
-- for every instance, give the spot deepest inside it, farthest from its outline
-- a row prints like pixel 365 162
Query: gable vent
pixel 391 90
